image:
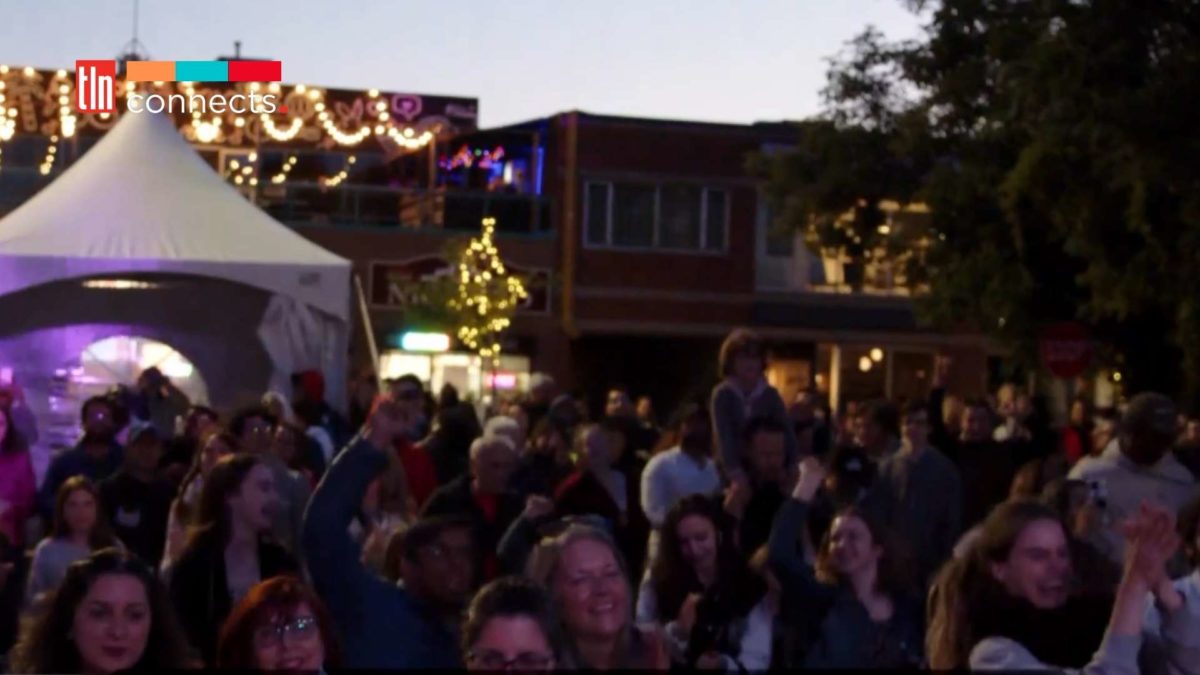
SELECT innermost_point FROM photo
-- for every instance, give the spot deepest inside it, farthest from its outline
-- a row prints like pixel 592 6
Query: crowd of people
pixel 748 533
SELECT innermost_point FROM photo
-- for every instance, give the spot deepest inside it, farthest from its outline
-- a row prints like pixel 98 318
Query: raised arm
pixel 334 560
pixel 1152 543
pixel 794 573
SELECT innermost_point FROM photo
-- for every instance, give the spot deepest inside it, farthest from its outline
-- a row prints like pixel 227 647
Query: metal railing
pixel 403 208
pixel 304 203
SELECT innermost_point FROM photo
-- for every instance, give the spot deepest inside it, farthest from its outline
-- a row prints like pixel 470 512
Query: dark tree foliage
pixel 1056 143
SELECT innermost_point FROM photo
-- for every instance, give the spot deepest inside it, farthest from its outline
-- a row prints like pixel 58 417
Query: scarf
pixel 1065 637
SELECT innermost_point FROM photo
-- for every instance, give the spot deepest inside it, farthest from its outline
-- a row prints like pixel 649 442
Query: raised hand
pixel 687 613
pixel 1152 543
pixel 388 421
pixel 537 506
pixel 737 498
pixel 812 474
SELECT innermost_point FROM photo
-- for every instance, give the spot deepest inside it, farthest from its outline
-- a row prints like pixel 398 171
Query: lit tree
pixel 487 295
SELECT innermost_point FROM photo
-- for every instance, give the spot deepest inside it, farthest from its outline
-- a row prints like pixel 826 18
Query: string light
pixel 376 122
pixel 281 136
pixel 51 152
pixel 8 122
pixel 408 139
pixel 487 295
pixel 206 132
pixel 281 177
pixel 341 175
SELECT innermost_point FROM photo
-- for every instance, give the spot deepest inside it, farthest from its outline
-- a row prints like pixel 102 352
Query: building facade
pixel 643 242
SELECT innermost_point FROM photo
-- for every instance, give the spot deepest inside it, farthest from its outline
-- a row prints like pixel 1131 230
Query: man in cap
pixel 136 500
pixel 1137 466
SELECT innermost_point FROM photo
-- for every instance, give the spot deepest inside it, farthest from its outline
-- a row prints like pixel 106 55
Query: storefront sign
pixel 427 280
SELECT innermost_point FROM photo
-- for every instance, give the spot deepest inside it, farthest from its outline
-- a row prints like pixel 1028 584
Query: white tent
pixel 142 203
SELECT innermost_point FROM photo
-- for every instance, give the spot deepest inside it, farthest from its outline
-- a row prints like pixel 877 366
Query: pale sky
pixel 718 60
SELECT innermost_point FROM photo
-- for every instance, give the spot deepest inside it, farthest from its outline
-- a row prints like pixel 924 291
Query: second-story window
pixel 673 217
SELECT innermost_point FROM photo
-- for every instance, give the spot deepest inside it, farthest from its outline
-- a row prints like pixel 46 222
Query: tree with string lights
pixel 487 297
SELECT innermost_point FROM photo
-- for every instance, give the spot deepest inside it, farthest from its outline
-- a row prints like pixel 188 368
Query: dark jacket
pixel 200 591
pixel 381 626
pixel 538 474
pixel 456 499
pixel 835 629
pixel 138 513
pixel 76 462
pixel 919 499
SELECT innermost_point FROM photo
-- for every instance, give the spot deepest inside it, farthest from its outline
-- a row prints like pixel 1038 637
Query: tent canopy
pixel 142 200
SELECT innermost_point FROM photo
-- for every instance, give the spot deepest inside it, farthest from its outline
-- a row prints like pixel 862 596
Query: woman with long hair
pixel 585 574
pixel 1008 603
pixel 212 445
pixel 79 527
pixel 18 486
pixel 512 623
pixel 702 590
pixel 281 624
pixel 109 615
pixel 853 608
pixel 18 501
pixel 228 549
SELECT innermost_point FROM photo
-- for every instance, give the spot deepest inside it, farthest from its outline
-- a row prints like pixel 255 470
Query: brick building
pixel 644 241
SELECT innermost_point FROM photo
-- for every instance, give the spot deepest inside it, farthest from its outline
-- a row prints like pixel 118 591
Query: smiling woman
pixel 281 624
pixel 227 552
pixel 110 614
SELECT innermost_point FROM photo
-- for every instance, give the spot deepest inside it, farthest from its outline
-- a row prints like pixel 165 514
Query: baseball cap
pixel 137 428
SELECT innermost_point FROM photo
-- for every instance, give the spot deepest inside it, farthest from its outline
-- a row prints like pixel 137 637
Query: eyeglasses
pixel 525 661
pixel 299 629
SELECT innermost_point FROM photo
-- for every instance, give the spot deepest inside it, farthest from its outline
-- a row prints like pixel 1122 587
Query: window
pixel 676 217
pixel 597 213
pixel 632 215
pixel 716 220
pixel 679 226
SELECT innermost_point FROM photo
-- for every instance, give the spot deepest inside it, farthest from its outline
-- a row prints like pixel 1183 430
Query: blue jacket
pixel 380 624
pixel 837 631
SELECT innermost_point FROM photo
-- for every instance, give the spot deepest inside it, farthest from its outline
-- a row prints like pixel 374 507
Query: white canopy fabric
pixel 142 200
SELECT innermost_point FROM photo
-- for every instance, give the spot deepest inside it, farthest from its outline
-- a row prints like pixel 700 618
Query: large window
pixel 675 217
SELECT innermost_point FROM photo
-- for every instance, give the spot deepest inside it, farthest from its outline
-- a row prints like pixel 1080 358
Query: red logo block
pixel 95 86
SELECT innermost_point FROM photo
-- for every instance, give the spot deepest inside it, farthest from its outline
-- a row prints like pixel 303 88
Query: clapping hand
pixel 1152 543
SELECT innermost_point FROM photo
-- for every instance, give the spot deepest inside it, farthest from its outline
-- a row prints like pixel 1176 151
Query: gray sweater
pixel 731 410
pixel 51 559
pixel 919 500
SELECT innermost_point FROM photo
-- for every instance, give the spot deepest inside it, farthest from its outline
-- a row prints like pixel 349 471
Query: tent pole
pixel 369 329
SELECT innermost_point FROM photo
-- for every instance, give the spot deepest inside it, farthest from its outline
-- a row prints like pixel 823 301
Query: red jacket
pixel 418 467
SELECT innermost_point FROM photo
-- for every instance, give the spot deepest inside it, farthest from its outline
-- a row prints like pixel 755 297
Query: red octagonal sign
pixel 1066 349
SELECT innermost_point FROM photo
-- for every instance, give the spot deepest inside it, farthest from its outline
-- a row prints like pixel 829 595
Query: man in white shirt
pixel 684 470
pixel 1137 466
